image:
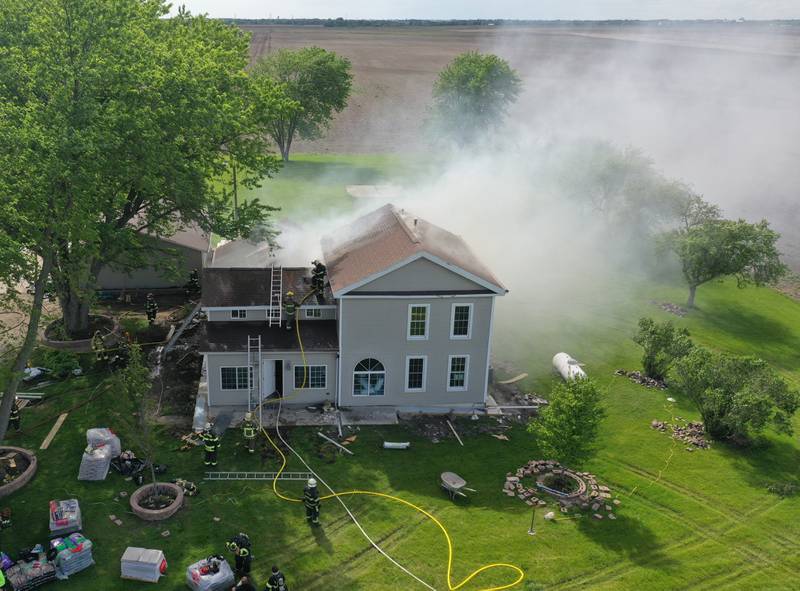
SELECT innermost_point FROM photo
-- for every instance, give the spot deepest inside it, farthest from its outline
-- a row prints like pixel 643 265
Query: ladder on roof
pixel 254 381
pixel 275 296
pixel 257 476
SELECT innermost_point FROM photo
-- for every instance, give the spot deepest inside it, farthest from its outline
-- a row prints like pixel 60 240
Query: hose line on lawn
pixel 520 575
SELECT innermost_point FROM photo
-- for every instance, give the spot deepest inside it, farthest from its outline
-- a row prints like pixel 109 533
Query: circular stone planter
pixel 143 492
pixel 105 324
pixel 27 474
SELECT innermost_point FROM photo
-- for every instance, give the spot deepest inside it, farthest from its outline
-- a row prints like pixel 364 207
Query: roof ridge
pixel 408 230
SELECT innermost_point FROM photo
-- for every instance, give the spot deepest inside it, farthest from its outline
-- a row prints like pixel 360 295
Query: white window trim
pixel 236 367
pixel 468 336
pixel 465 387
pixel 313 312
pixel 424 373
pixel 294 377
pixel 238 312
pixel 427 322
pixel 385 382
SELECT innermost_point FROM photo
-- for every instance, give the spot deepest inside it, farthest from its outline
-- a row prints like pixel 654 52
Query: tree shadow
pixel 769 459
pixel 627 537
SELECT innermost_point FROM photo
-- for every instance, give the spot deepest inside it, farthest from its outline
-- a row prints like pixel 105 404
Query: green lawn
pixel 701 520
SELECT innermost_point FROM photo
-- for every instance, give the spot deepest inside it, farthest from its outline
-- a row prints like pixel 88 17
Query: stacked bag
pixel 102 446
pixel 65 517
pixel 31 571
pixel 73 554
pixel 141 564
pixel 210 574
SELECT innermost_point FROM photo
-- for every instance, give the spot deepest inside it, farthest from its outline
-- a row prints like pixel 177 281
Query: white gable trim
pixel 434 259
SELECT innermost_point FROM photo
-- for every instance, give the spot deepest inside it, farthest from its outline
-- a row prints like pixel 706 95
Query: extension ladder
pixel 257 476
pixel 275 297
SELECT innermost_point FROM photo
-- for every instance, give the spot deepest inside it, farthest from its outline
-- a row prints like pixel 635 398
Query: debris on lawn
pixel 692 433
pixel 641 379
pixel 501 437
pixel 671 308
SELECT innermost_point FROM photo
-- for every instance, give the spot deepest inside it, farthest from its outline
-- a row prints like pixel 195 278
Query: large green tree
pixel 662 343
pixel 131 114
pixel 738 397
pixel 317 84
pixel 566 429
pixel 713 248
pixel 472 95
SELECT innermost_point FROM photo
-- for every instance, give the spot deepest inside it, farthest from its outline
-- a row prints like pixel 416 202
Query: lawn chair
pixel 454 485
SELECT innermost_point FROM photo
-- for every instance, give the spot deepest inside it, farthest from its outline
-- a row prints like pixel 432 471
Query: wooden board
pixel 49 439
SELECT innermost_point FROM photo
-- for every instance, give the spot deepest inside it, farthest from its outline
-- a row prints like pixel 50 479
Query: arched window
pixel 369 378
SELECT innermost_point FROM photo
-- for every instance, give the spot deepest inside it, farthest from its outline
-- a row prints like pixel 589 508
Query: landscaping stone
pixel 597 516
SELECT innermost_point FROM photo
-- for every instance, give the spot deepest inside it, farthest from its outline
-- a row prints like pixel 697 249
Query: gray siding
pixel 419 275
pixel 216 315
pixel 186 259
pixel 377 328
pixel 219 397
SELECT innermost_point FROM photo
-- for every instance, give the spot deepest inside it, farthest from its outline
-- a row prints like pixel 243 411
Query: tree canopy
pixel 738 397
pixel 663 343
pixel 315 83
pixel 713 248
pixel 566 429
pixel 472 95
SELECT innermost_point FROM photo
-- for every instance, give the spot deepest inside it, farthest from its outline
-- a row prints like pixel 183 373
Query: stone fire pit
pixel 106 324
pixel 27 464
pixel 164 488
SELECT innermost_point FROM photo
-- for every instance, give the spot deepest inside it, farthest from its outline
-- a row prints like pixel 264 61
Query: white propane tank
pixel 567 367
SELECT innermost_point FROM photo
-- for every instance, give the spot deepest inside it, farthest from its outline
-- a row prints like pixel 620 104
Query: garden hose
pixel 520 575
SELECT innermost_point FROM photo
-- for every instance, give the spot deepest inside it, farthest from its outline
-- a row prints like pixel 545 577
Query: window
pixel 461 321
pixel 369 378
pixel 313 313
pixel 240 314
pixel 415 374
pixel 458 370
pixel 418 321
pixel 315 376
pixel 235 378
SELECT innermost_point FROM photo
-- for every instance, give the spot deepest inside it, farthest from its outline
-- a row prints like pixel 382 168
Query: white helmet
pixel 208 427
pixel 312 483
pixel 248 416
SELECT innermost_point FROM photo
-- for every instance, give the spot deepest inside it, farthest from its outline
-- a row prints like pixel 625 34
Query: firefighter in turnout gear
pixel 311 501
pixel 192 286
pixel 189 488
pixel 318 274
pixel 13 418
pixel 211 443
pixel 151 309
pixel 276 582
pixel 249 428
pixel 240 546
pixel 290 309
pixel 99 347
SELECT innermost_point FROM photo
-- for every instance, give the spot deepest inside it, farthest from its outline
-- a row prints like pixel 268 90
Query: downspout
pixel 489 353
pixel 339 355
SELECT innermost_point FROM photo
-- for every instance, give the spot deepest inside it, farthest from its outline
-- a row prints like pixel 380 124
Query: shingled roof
pixel 385 238
pixel 225 288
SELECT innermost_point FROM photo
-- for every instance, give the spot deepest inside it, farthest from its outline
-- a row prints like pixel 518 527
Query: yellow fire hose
pixel 520 575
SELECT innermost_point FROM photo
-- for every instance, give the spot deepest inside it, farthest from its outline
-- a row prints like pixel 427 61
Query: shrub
pixel 61 363
pixel 663 343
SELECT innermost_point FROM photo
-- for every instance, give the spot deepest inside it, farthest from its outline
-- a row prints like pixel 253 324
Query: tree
pixel 317 84
pixel 663 343
pixel 738 397
pixel 472 95
pixel 718 248
pixel 127 116
pixel 567 428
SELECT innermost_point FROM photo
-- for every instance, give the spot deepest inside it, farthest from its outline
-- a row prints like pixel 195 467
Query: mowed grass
pixel 701 520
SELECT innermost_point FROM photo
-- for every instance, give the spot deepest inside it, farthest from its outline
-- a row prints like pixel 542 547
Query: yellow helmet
pixel 290 293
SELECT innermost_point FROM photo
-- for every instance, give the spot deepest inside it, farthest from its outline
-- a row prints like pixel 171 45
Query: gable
pixel 420 275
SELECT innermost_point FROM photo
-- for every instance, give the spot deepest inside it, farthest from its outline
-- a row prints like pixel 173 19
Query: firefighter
pixel 311 501
pixel 151 309
pixel 192 286
pixel 318 274
pixel 240 546
pixel 99 347
pixel 189 488
pixel 249 431
pixel 211 442
pixel 244 584
pixel 13 418
pixel 276 582
pixel 290 308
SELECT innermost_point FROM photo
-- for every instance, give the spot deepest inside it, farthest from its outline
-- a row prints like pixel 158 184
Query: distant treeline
pixel 342 22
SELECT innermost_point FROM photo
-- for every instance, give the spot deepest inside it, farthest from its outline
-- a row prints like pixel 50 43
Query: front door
pixel 267 378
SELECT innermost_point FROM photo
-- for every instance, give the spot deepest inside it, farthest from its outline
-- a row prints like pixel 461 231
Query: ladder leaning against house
pixel 275 296
pixel 254 365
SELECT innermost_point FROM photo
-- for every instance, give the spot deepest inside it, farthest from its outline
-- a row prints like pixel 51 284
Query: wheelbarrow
pixel 454 485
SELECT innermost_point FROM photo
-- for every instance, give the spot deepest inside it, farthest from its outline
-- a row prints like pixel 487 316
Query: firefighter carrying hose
pixel 249 431
pixel 211 443
pixel 151 309
pixel 289 308
pixel 311 501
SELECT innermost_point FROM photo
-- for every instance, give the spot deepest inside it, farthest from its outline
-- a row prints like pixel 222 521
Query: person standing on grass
pixel 249 432
pixel 311 501
pixel 276 582
pixel 244 584
pixel 14 418
pixel 151 309
pixel 211 441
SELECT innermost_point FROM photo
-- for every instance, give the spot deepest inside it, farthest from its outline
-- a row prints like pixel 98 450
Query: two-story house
pixel 405 321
